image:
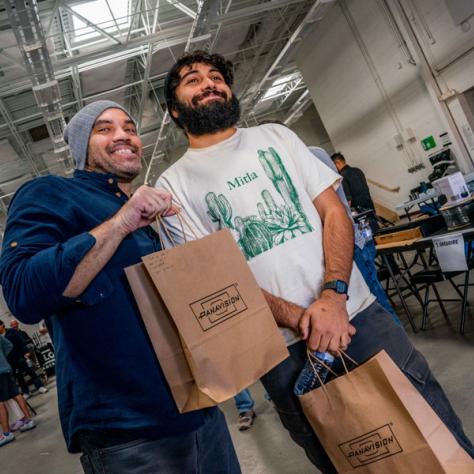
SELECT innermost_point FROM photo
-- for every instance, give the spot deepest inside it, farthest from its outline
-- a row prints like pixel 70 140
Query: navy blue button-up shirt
pixel 108 377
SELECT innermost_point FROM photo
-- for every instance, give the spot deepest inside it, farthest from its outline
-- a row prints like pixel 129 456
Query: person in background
pixel 354 183
pixel 18 359
pixel 244 404
pixel 66 244
pixel 44 335
pixel 8 391
pixel 16 326
pixel 364 249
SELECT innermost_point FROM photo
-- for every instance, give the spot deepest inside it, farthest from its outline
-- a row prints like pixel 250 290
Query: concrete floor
pixel 266 448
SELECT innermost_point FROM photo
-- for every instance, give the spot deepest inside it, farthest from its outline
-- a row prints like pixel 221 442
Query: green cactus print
pixel 275 223
pixel 219 209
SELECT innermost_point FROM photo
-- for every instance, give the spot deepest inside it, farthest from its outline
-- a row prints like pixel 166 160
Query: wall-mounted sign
pixel 428 143
pixel 445 140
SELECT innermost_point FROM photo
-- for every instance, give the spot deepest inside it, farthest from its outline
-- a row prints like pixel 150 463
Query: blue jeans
pixel 244 401
pixel 207 450
pixel 376 330
pixel 365 261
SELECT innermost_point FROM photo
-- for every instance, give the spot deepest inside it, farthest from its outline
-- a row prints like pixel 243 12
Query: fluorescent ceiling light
pixel 279 84
pixel 97 12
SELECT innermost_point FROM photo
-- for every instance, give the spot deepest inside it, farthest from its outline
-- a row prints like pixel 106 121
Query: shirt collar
pixel 102 180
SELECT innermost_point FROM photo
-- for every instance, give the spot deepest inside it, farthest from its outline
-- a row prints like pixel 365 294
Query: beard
pixel 214 117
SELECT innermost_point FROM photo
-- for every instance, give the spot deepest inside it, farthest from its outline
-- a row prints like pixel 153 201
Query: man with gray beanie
pixel 66 243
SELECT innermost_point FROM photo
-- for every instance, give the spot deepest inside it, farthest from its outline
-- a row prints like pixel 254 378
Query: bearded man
pixel 280 204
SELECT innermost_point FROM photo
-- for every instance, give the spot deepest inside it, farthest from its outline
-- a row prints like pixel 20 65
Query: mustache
pixel 196 99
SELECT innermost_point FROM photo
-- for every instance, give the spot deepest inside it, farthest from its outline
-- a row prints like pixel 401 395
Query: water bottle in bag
pixel 308 380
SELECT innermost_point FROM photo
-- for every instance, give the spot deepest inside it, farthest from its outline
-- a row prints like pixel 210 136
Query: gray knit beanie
pixel 78 130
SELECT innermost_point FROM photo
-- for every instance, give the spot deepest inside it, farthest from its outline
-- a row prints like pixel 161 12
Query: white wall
pixel 310 129
pixel 367 92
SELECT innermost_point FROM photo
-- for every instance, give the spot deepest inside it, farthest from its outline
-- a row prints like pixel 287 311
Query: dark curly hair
pixel 225 67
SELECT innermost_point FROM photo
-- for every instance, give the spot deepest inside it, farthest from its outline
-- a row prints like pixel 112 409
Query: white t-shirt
pixel 260 183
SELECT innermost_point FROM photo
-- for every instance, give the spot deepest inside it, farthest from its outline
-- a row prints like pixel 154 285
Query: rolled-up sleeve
pixel 39 254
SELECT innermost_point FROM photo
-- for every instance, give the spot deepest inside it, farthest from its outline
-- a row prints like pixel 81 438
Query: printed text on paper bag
pixel 371 447
pixel 218 307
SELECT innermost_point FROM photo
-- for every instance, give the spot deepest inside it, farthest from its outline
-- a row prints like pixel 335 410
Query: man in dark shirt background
pixel 18 360
pixel 354 184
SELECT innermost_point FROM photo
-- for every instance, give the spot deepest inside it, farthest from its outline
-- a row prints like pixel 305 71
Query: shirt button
pixel 110 181
pixel 118 194
pixel 101 294
pixel 13 244
pixel 78 300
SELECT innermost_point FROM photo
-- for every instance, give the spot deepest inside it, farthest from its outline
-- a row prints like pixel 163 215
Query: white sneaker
pixel 17 425
pixel 43 390
pixel 27 425
pixel 4 439
pixel 26 396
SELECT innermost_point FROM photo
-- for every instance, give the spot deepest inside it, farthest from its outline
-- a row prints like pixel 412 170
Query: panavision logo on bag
pixel 371 447
pixel 218 307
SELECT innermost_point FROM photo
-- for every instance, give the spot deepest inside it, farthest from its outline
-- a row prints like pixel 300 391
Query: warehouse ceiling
pixel 57 55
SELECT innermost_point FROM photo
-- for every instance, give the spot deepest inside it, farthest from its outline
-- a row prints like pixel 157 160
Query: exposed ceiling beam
pixel 172 35
pixel 207 12
pixel 183 8
pixel 76 80
pixel 145 83
pixel 27 156
pixel 51 19
pixel 12 60
pixel 297 109
pixel 89 23
pixel 316 12
pixel 107 2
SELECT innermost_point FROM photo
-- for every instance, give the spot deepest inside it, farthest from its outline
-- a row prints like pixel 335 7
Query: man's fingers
pixel 345 341
pixel 351 329
pixel 334 345
pixel 303 325
pixel 314 341
pixel 323 343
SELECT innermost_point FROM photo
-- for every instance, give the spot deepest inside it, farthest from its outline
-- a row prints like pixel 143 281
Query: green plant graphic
pixel 220 209
pixel 275 223
pixel 276 171
pixel 254 236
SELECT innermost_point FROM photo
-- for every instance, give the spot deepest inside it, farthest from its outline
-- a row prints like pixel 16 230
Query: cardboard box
pixel 452 186
pixel 408 234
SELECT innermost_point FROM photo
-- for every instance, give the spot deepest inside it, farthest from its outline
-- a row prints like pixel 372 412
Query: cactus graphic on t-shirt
pixel 275 223
pixel 220 209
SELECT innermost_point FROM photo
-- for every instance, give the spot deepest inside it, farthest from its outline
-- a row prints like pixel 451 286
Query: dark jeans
pixel 365 261
pixel 208 450
pixel 21 368
pixel 376 330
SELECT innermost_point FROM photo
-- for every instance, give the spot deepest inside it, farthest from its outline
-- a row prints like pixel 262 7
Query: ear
pixel 174 113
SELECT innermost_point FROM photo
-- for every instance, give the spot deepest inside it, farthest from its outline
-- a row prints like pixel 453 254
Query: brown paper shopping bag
pixel 166 342
pixel 373 420
pixel 228 332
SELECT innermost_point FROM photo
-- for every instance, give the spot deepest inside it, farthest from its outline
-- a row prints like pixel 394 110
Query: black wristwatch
pixel 339 286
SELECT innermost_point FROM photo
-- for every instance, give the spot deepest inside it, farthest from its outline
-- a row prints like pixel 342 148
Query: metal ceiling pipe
pixel 29 34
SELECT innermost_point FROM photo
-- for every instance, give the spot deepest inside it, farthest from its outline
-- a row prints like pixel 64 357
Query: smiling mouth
pixel 124 151
pixel 209 96
pixel 212 96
